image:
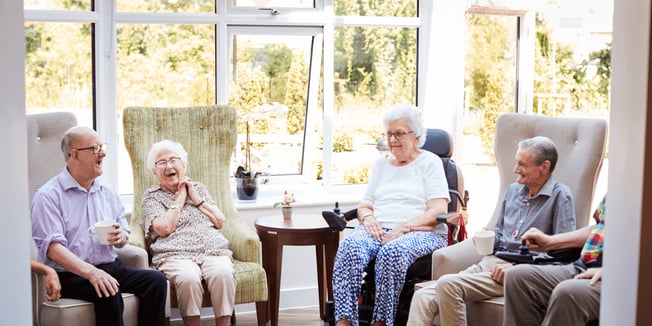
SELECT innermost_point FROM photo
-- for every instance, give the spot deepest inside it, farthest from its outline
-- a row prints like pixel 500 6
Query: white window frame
pixel 438 100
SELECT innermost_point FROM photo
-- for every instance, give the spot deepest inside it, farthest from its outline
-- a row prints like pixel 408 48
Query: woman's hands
pixel 373 227
pixel 187 190
pixel 396 232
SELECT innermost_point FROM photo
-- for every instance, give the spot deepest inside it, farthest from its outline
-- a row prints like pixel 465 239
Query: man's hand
pixel 105 285
pixel 118 237
pixel 498 272
pixel 537 240
pixel 595 274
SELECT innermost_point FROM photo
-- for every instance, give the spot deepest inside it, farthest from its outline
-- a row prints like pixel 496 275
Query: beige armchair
pixel 581 145
pixel 208 133
pixel 44 132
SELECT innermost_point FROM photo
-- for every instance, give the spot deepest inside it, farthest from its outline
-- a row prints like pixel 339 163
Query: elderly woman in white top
pixel 407 190
pixel 182 225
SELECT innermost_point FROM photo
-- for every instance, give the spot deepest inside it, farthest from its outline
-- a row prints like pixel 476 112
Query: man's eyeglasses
pixel 96 149
pixel 398 135
pixel 172 161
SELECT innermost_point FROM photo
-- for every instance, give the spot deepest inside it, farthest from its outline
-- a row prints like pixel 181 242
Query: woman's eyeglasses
pixel 398 135
pixel 172 161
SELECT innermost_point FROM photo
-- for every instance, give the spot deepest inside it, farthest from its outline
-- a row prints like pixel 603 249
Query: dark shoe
pixel 335 222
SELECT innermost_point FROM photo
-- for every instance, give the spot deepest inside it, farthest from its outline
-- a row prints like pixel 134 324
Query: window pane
pixel 274 3
pixel 162 65
pixel 389 8
pixel 489 81
pixel 58 69
pixel 182 6
pixel 165 65
pixel 269 87
pixel 375 68
pixel 57 4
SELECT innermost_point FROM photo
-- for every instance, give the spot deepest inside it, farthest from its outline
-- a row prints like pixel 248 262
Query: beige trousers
pixel 186 275
pixel 446 296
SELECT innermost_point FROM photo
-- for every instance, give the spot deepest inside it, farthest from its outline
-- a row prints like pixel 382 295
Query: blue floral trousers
pixel 392 261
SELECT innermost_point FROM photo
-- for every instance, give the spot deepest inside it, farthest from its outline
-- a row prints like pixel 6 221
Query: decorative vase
pixel 246 188
pixel 287 212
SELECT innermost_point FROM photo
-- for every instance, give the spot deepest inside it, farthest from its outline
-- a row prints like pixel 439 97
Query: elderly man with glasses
pixel 64 209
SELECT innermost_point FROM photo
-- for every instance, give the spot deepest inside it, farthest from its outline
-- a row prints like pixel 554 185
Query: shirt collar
pixel 546 190
pixel 68 182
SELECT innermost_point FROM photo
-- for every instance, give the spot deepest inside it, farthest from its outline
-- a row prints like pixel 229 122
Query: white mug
pixel 101 229
pixel 484 242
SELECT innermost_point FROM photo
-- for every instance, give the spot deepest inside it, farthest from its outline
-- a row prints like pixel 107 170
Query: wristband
pixel 200 203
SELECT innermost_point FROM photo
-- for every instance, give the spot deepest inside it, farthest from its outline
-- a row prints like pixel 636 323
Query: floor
pixel 308 316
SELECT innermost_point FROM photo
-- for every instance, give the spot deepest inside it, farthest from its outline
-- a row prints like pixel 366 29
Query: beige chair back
pixel 208 134
pixel 580 142
pixel 44 157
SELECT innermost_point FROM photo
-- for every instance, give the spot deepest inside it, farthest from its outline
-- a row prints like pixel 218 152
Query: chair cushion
pixel 80 312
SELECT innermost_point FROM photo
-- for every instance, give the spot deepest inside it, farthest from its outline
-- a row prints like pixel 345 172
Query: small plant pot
pixel 246 188
pixel 287 212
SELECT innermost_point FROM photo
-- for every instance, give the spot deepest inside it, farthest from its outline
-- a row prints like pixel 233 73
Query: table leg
pixel 330 250
pixel 272 258
pixel 321 276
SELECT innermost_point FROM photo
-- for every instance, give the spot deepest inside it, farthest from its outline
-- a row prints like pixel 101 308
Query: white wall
pixel 15 307
pixel 630 60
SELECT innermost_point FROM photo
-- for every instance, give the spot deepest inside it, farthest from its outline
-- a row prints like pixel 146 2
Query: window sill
pixel 306 195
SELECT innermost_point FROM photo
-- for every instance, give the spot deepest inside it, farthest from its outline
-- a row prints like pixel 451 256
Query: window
pixel 323 82
pixel 270 85
pixel 59 69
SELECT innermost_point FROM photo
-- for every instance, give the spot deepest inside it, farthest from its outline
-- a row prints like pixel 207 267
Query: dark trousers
pixel 149 286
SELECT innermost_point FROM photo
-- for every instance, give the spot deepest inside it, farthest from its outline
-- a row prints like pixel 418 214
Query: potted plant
pixel 286 204
pixel 246 181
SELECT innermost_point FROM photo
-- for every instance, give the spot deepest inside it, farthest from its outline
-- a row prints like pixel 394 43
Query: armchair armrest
pixel 243 241
pixel 454 259
pixel 133 256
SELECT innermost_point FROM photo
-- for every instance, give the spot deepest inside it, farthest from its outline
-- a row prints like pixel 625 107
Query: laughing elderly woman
pixel 406 192
pixel 182 225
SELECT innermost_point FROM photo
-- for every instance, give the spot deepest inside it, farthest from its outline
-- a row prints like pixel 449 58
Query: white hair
pixel 413 116
pixel 163 145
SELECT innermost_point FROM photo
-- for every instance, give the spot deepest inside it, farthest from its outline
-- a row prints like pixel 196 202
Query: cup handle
pixel 91 232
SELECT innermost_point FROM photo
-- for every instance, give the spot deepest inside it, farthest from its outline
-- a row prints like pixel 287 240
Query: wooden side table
pixel 301 230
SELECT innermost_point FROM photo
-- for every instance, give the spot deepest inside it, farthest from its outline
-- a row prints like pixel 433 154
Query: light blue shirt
pixel 552 211
pixel 62 211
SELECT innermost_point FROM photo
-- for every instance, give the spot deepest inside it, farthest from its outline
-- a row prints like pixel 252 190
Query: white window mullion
pixel 106 114
pixel 329 96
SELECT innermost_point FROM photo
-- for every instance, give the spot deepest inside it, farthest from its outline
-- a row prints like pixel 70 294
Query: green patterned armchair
pixel 208 133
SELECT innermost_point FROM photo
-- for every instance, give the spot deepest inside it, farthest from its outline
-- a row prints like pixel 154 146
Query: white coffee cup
pixel 101 229
pixel 484 242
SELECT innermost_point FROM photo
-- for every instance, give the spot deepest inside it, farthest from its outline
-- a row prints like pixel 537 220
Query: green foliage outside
pixel 343 143
pixel 358 174
pixel 375 67
pixel 556 73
